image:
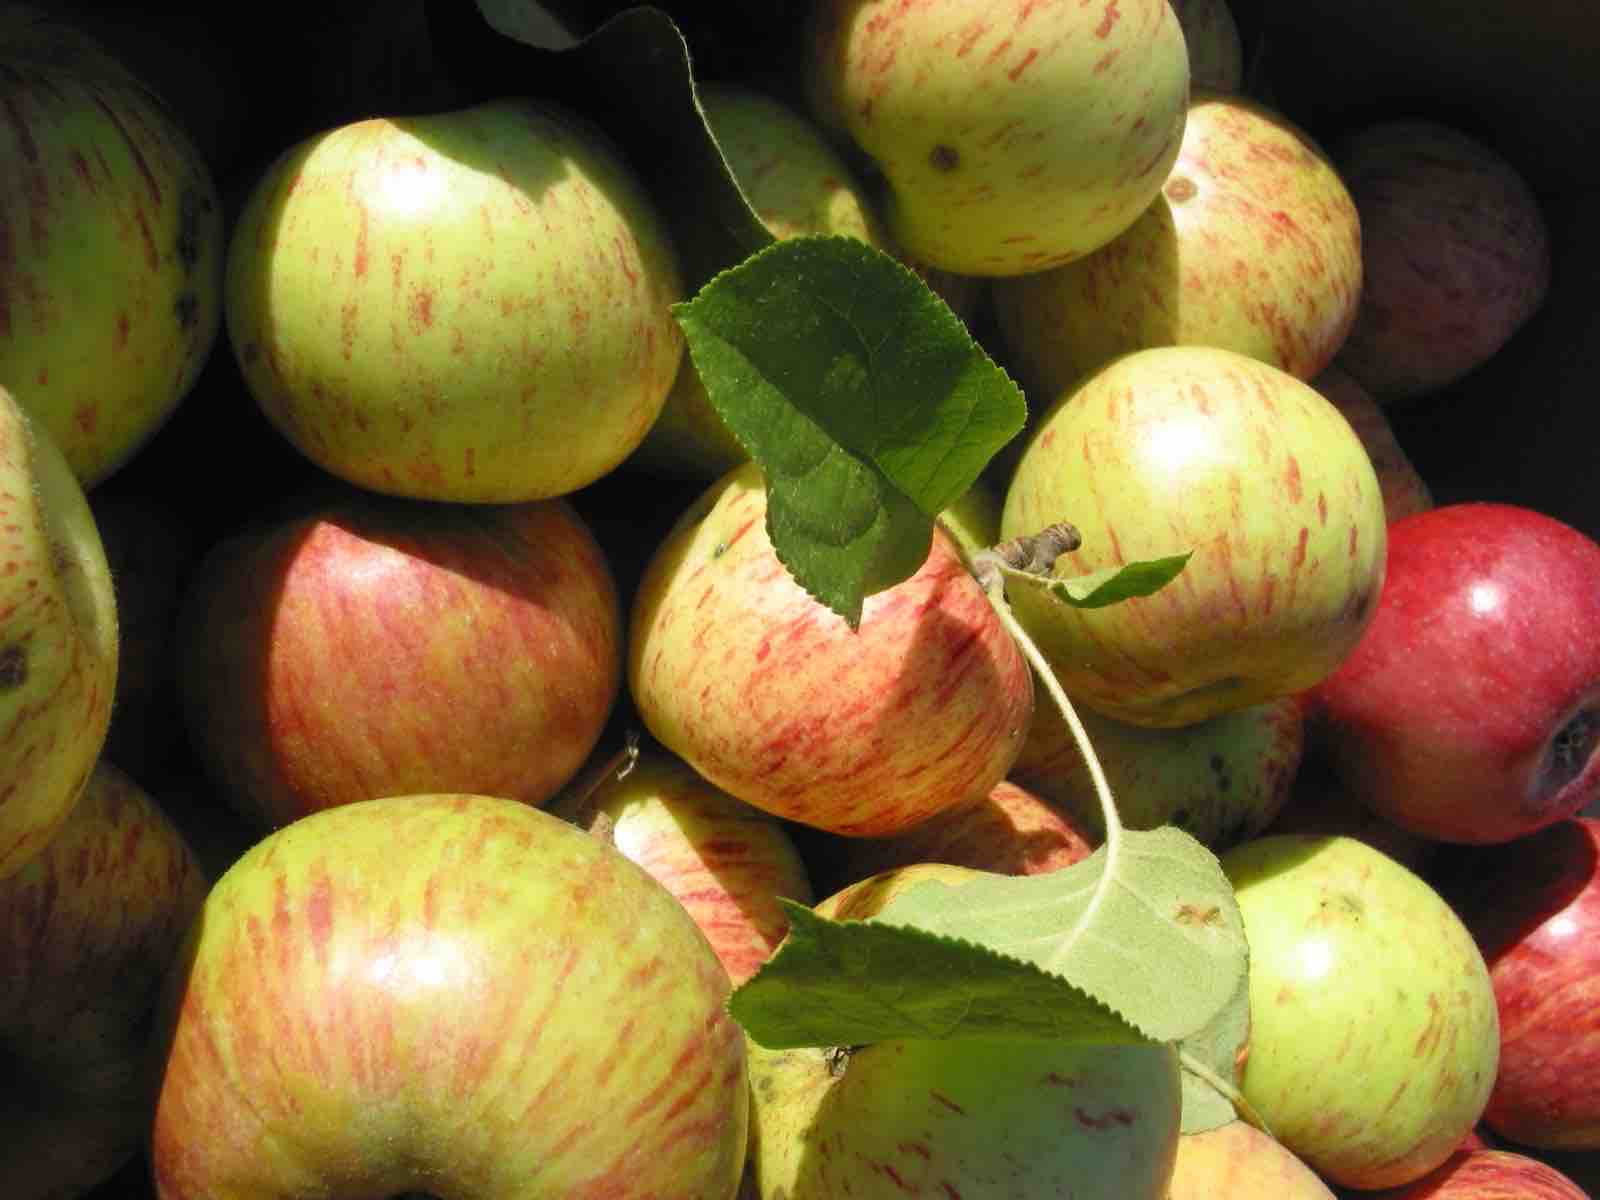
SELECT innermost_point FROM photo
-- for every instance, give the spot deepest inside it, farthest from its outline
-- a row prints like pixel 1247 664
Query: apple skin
pixel 89 929
pixel 1239 1162
pixel 1488 1174
pixel 447 995
pixel 725 861
pixel 1009 138
pixel 774 698
pixel 1534 907
pixel 1470 708
pixel 1190 448
pixel 58 638
pixel 1253 245
pixel 983 1117
pixel 469 306
pixel 374 646
pixel 1010 831
pixel 111 228
pixel 1223 780
pixel 1374 1035
pixel 1456 253
pixel 1404 490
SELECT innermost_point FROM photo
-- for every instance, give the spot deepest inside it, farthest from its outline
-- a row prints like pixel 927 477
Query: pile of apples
pixel 412 731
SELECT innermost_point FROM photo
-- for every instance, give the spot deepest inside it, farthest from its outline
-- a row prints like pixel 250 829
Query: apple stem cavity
pixel 1571 749
pixel 578 800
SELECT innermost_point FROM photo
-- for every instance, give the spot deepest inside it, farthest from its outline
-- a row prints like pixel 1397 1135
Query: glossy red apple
pixel 1534 907
pixel 376 646
pixel 1469 711
pixel 1488 1175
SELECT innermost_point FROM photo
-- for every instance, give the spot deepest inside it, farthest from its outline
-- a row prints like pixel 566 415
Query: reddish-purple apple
pixel 1534 907
pixel 1469 711
pixel 1488 1175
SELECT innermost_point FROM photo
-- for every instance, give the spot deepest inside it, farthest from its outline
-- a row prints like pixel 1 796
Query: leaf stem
pixel 1241 1106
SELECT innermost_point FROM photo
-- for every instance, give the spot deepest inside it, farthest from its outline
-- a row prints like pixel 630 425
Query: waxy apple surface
pixel 1253 245
pixel 1237 1161
pixel 1183 449
pixel 1469 711
pixel 450 996
pixel 377 646
pixel 1374 1035
pixel 468 306
pixel 774 698
pixel 1009 137
pixel 58 638
pixel 111 245
pixel 1534 907
pixel 1489 1174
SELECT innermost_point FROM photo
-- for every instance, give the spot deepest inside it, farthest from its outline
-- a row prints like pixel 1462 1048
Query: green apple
pixel 727 862
pixel 446 995
pixel 111 245
pixel 798 184
pixel 471 305
pixel 773 697
pixel 1183 449
pixel 58 638
pixel 1009 137
pixel 89 929
pixel 1253 245
pixel 982 1117
pixel 1223 779
pixel 1374 1034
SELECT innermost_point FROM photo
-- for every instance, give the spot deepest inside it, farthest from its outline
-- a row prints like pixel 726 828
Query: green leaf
pixel 1151 939
pixel 1212 1059
pixel 837 983
pixel 865 400
pixel 1111 585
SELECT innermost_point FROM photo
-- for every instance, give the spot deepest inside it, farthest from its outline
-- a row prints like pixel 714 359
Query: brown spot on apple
pixel 1180 188
pixel 944 158
pixel 13 666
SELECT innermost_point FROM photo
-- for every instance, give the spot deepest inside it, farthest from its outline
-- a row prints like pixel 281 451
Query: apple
pixel 1533 905
pixel 797 184
pixel 470 305
pixel 1239 1162
pixel 1008 138
pixel 1253 245
pixel 1010 831
pixel 979 1117
pixel 726 862
pixel 89 928
pixel 1374 1036
pixel 771 696
pixel 111 245
pixel 1404 490
pixel 374 645
pixel 1488 1175
pixel 1216 53
pixel 58 638
pixel 1196 449
pixel 1223 779
pixel 1456 253
pixel 1470 709
pixel 150 547
pixel 445 995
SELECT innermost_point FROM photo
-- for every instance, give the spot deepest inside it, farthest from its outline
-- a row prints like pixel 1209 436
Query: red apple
pixel 725 861
pixel 379 646
pixel 1470 708
pixel 89 929
pixel 1534 907
pixel 1488 1175
pixel 773 697
pixel 1455 252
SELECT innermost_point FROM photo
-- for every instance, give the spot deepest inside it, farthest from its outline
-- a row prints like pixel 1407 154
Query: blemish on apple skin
pixel 941 1099
pixel 1107 1120
pixel 13 667
pixel 944 158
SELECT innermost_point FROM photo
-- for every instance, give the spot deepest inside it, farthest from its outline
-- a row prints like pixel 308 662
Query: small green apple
pixel 58 638
pixel 471 305
pixel 1374 1034
pixel 1181 449
pixel 111 245
pixel 1010 137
